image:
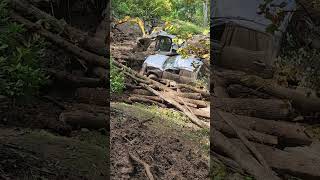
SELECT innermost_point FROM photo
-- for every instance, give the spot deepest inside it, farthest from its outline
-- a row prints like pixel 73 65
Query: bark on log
pixel 94 45
pixel 231 164
pixel 144 79
pixel 202 112
pixel 101 72
pixel 288 133
pixel 170 100
pixel 261 108
pixel 154 98
pixel 81 53
pixel 239 91
pixel 219 88
pixel 202 92
pixel 145 100
pixel 142 92
pixel 132 86
pixel 249 134
pixel 85 120
pixel 199 103
pixel 300 100
pixel 196 96
pixel 96 96
pixel 249 146
pixel 67 79
pixel 293 163
pixel 243 158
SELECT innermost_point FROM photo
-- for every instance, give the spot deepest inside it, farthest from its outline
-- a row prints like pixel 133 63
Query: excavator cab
pixel 165 45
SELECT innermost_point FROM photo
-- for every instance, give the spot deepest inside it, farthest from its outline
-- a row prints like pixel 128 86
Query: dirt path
pixel 173 150
pixel 37 154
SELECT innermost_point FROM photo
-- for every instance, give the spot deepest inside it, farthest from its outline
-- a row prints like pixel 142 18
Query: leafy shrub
pixel 20 73
pixel 300 67
pixel 145 9
pixel 116 79
pixel 184 28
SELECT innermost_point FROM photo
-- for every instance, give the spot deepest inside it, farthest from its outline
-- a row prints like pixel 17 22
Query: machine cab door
pixel 163 44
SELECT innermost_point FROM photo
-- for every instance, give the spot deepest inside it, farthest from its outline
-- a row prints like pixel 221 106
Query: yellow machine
pixel 133 20
pixel 140 23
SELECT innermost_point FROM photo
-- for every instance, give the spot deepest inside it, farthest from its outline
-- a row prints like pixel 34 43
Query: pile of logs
pixel 90 86
pixel 193 102
pixel 93 54
pixel 254 128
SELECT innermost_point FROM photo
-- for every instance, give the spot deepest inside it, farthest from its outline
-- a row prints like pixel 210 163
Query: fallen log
pixel 85 119
pixel 202 92
pixel 239 91
pixel 243 158
pixel 101 72
pixel 94 45
pixel 261 108
pixel 142 92
pixel 185 110
pixel 249 134
pixel 300 100
pixel 287 132
pixel 81 53
pixel 67 79
pixel 132 86
pixel 231 164
pixel 219 88
pixel 154 98
pixel 201 112
pixel 143 79
pixel 145 100
pixel 309 151
pixel 248 145
pixel 98 96
pixel 296 164
pixel 195 103
pixel 196 96
pixel 198 103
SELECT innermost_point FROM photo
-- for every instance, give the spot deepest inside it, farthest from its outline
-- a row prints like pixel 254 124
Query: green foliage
pixel 20 73
pixel 184 10
pixel 300 67
pixel 116 79
pixel 145 9
pixel 184 28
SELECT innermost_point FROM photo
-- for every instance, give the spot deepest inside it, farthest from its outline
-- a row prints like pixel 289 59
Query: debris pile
pixel 254 126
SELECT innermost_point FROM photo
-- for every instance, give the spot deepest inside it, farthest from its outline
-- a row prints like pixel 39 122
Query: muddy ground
pixel 171 148
pixel 163 138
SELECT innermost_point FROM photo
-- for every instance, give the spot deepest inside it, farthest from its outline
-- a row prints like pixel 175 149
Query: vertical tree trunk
pixel 205 13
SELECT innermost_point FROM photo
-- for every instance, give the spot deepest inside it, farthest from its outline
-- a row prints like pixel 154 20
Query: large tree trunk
pixel 288 162
pixel 96 96
pixel 85 119
pixel 69 80
pixel 243 158
pixel 146 100
pixel 300 100
pixel 288 133
pixel 239 91
pixel 182 108
pixel 83 39
pixel 90 58
pixel 249 134
pixel 261 108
